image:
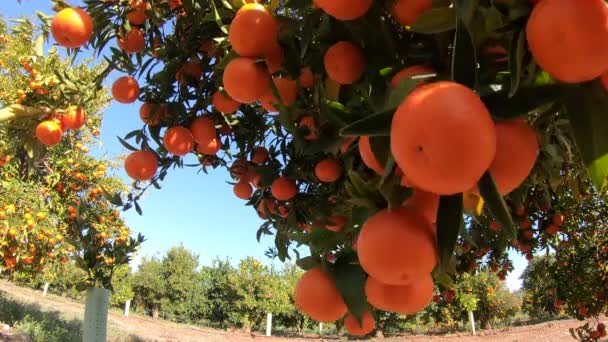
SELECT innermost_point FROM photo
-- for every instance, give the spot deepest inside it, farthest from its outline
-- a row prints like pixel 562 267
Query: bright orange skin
pixel 283 189
pixel 243 190
pixel 260 155
pixel 245 81
pixel 348 141
pixel 203 130
pixel 75 118
pixel 288 92
pixel 328 170
pixel 336 223
pixel 426 203
pixel 516 153
pixel 307 78
pixel 318 297
pixel 406 299
pixel 344 9
pixel 49 132
pixel 151 113
pixel 309 122
pixel 223 103
pixel 274 59
pixel 141 165
pixel 125 89
pixel 344 62
pixel 265 213
pixel 407 12
pixel 72 27
pixel 604 79
pixel 368 157
pixel 132 42
pixel 178 140
pixel 394 245
pixel 353 327
pixel 240 170
pixel 210 147
pixel 463 143
pixel 576 50
pixel 253 31
pixel 410 72
pixel 138 14
pixel 189 71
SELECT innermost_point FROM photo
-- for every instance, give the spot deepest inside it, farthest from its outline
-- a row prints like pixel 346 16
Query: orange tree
pixel 54 204
pixel 355 127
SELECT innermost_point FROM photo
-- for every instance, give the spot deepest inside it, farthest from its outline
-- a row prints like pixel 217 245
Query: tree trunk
pixel 155 311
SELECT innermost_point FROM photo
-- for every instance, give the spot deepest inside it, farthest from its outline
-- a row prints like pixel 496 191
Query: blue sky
pixel 196 210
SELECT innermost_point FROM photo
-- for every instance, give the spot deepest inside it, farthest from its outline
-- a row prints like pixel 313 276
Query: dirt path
pixel 138 328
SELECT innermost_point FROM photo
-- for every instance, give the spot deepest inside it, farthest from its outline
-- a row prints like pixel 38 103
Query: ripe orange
pixel 354 328
pixel 410 72
pixel 307 78
pixel 49 132
pixel 132 42
pixel 240 170
pixel 558 219
pixel 74 118
pixel 336 223
pixel 395 245
pixel 344 9
pixel 516 152
pixel 407 12
pixel 209 147
pixel 288 92
pixel 317 296
pixel 152 113
pixel 274 59
pixel 125 89
pixel 253 31
pixel 178 140
pixel 368 157
pixel 344 62
pixel 426 203
pixel 72 27
pixel 577 50
pixel 223 103
pixel 328 170
pixel 266 208
pixel 141 165
pixel 407 299
pixel 259 156
pixel 189 71
pixel 460 147
pixel 137 16
pixel 203 130
pixel 243 190
pixel 309 122
pixel 283 189
pixel 245 80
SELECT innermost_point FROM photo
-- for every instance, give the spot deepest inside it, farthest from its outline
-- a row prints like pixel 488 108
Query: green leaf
pixel 396 95
pixel 516 57
pixel 443 278
pixel 588 111
pixel 281 241
pixel 350 281
pixel 39 46
pixel 466 10
pixel 502 106
pixel 449 221
pixel 18 111
pixel 127 145
pixel 307 263
pixel 435 20
pixel 497 206
pixel 372 125
pixel 464 59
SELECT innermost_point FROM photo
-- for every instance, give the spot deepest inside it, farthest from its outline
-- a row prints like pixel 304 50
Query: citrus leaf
pixel 516 57
pixel 18 111
pixel 525 100
pixel 435 20
pixel 350 281
pixel 464 59
pixel 466 9
pixel 307 263
pixel 372 125
pixel 449 221
pixel 497 206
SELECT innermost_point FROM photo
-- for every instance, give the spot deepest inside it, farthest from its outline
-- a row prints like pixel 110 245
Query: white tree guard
pixel 268 324
pixel 96 315
pixel 46 288
pixel 472 321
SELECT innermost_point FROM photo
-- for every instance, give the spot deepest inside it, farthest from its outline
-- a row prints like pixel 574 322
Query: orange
pixel 267 207
pixel 240 170
pixel 410 72
pixel 348 141
pixel 283 189
pixel 318 297
pixel 307 78
pixel 344 62
pixel 351 324
pixel 141 165
pixel 175 4
pixel 259 156
pixel 137 16
pixel 72 27
pixel 336 223
pixel 245 80
pixel 223 103
pixel 516 152
pixel 203 130
pixel 132 42
pixel 394 245
pixel 309 123
pixel 178 140
pixel 406 299
pixel 344 9
pixel 328 170
pixel 125 89
pixel 407 12
pixel 274 59
pixel 253 31
pixel 576 50
pixel 442 135
pixel 425 203
pixel 49 132
pixel 189 71
pixel 287 90
pixel 75 118
pixel 368 157
pixel 152 113
pixel 243 190
pixel 209 147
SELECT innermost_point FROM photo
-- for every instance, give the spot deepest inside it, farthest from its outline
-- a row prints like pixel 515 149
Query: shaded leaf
pixel 435 20
pixel 497 205
pixel 350 281
pixel 449 221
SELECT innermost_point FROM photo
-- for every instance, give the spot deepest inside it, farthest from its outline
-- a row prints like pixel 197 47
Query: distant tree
pixel 122 282
pixel 149 286
pixel 220 291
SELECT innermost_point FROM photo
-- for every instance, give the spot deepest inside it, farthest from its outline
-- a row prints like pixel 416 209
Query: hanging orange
pixel 253 31
pixel 72 27
pixel 317 296
pixel 245 80
pixel 406 299
pixel 125 89
pixel 178 140
pixel 223 103
pixel 141 165
pixel 344 9
pixel 344 62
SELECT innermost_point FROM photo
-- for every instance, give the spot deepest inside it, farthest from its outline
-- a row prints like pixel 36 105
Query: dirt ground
pixel 140 328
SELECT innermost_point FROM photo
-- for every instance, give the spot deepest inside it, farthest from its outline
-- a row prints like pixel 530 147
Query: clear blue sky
pixel 196 210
